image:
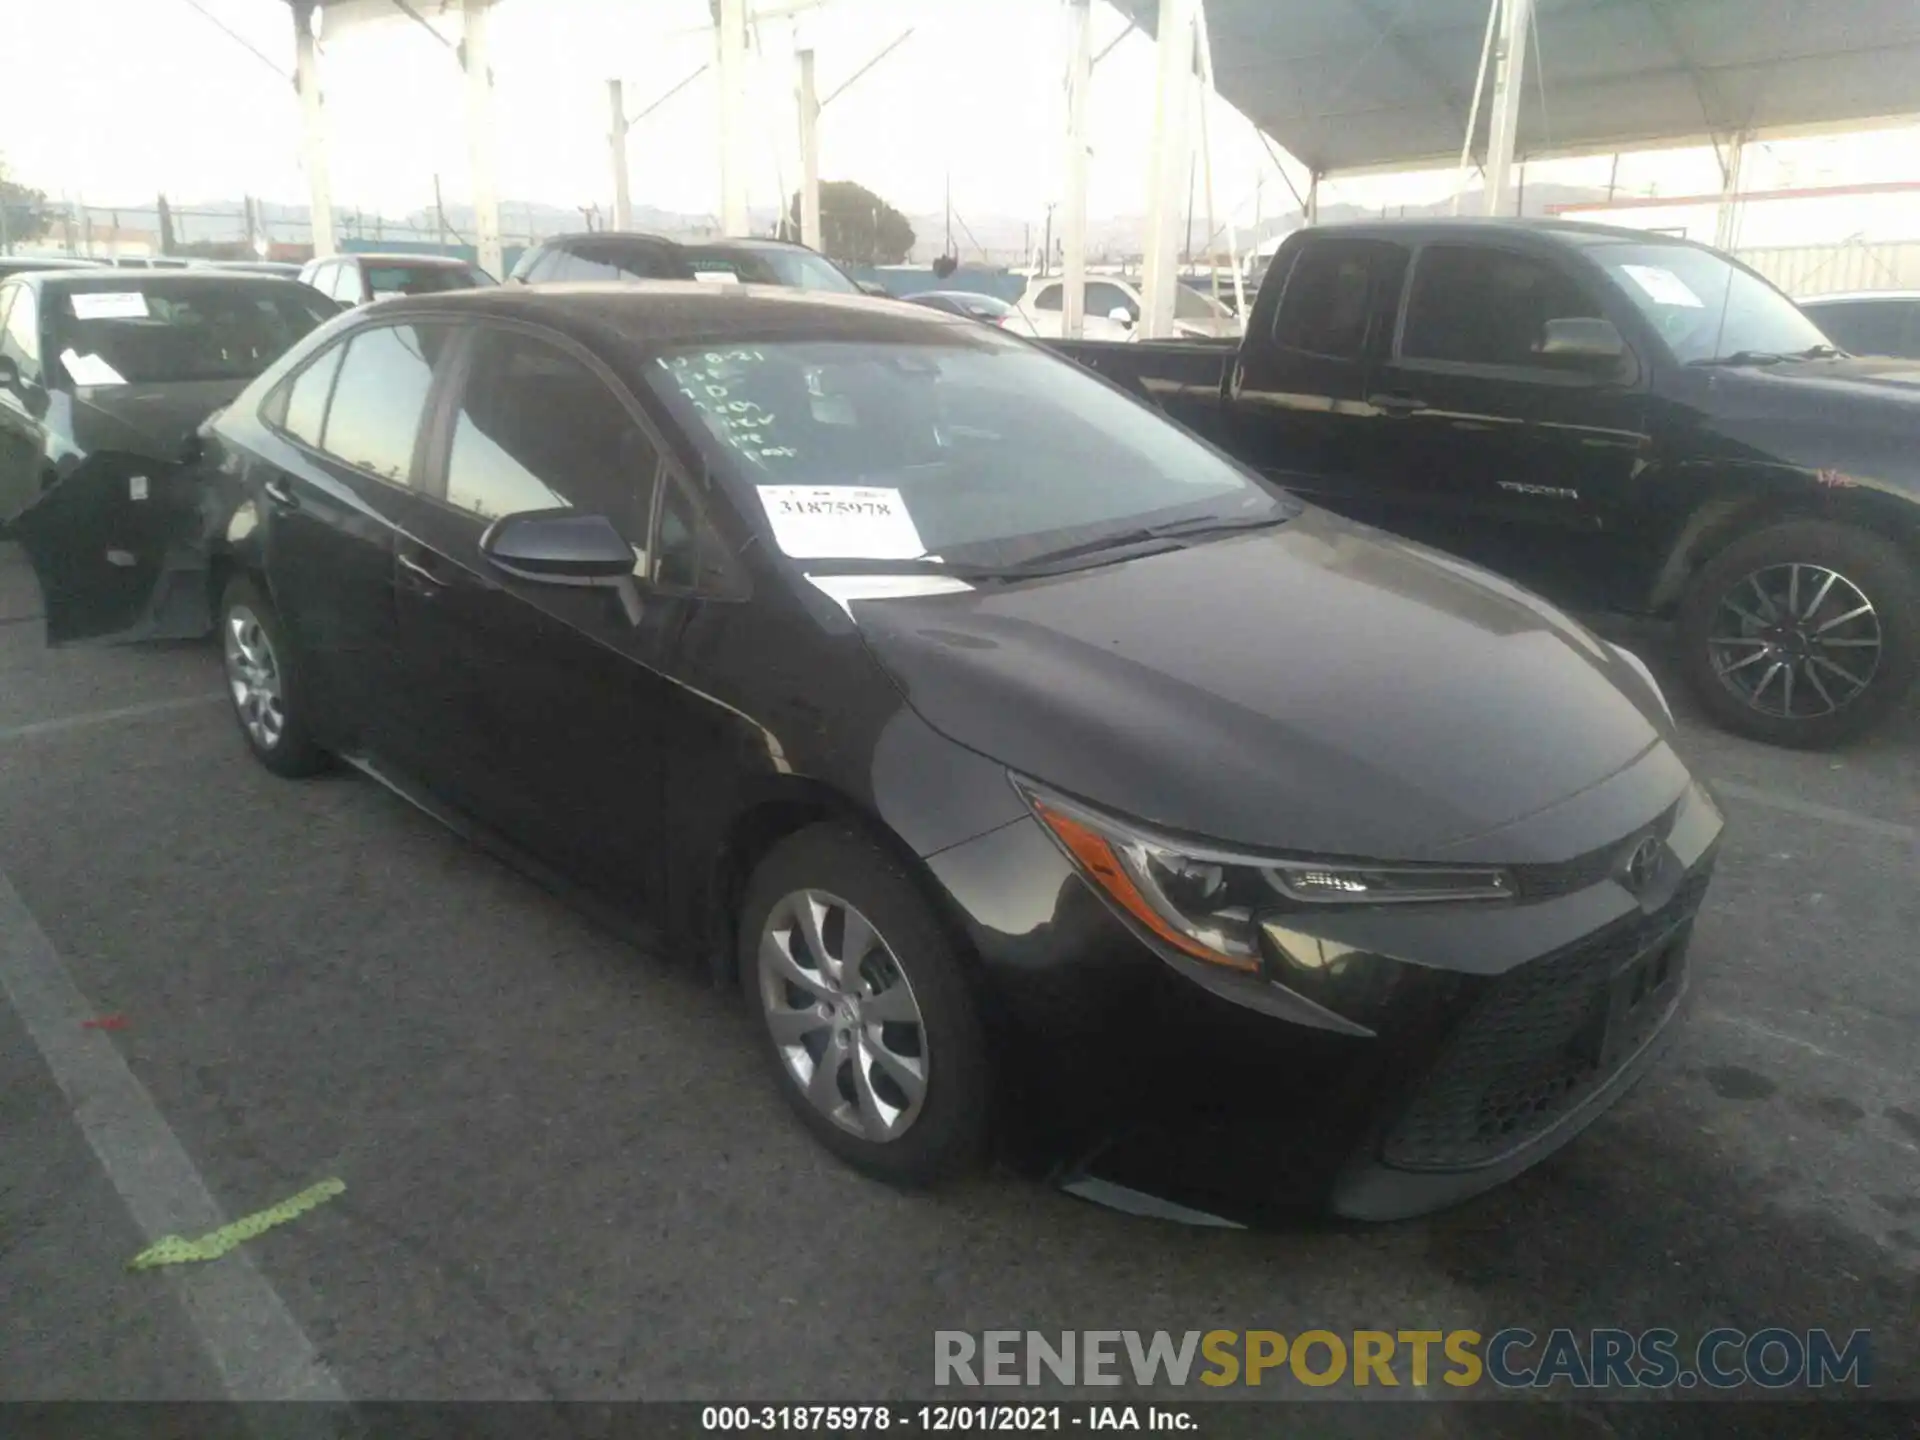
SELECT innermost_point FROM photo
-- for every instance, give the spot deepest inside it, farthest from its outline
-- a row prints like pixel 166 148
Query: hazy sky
pixel 125 98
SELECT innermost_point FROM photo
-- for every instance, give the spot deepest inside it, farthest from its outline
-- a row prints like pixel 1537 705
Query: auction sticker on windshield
pixel 90 369
pixel 1665 287
pixel 844 522
pixel 109 305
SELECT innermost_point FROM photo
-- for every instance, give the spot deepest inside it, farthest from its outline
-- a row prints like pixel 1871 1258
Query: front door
pixel 1496 453
pixel 1299 409
pixel 535 707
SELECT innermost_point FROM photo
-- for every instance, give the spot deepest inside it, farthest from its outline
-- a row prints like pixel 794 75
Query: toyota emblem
pixel 1643 866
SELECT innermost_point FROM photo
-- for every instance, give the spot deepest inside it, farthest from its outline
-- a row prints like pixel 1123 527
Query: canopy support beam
pixel 1167 166
pixel 475 59
pixel 1073 220
pixel 732 66
pixel 313 117
pixel 1509 88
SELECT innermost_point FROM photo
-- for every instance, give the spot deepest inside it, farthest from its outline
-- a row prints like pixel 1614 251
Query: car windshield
pixel 1191 304
pixel 979 451
pixel 800 269
pixel 983 307
pixel 1705 307
pixel 423 279
pixel 161 330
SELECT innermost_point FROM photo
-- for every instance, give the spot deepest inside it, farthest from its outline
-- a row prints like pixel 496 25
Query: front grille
pixel 1542 1039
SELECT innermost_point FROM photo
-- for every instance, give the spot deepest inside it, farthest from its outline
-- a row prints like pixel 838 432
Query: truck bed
pixel 1185 378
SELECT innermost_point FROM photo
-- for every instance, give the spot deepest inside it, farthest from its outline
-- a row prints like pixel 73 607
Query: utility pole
pixel 809 157
pixel 617 145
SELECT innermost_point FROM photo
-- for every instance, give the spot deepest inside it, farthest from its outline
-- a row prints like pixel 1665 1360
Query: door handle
pixel 1399 406
pixel 415 568
pixel 280 495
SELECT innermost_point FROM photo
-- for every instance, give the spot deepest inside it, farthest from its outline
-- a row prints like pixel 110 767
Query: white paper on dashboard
pixel 109 305
pixel 843 590
pixel 90 369
pixel 841 522
pixel 1665 287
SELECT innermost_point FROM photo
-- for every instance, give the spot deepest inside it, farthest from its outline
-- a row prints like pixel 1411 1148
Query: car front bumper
pixel 1508 1031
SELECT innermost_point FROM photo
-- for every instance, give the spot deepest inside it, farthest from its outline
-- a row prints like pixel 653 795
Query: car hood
pixel 1321 687
pixel 150 420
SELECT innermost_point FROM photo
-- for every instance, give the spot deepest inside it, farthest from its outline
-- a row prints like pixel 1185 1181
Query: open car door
pixel 120 549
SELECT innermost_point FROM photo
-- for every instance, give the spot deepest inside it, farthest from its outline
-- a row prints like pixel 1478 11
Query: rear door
pixel 535 707
pixel 1493 452
pixel 335 487
pixel 1299 407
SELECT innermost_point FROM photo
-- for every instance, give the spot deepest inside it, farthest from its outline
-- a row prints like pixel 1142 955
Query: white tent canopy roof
pixel 1370 84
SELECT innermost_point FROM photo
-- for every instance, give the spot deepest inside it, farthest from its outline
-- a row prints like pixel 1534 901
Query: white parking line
pixel 1809 810
pixel 1897 1084
pixel 105 717
pixel 258 1349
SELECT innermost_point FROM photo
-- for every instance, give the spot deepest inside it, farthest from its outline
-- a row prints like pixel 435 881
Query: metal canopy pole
pixel 617 145
pixel 810 234
pixel 1167 166
pixel 1207 93
pixel 1510 69
pixel 1073 220
pixel 1479 94
pixel 475 60
pixel 306 79
pixel 732 65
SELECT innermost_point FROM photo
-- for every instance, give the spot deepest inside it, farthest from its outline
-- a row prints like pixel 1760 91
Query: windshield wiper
pixel 1822 352
pixel 1741 357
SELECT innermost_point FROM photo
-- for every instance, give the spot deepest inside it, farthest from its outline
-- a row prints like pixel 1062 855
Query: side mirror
pixel 1582 344
pixel 868 287
pixel 9 374
pixel 559 547
pixel 1120 315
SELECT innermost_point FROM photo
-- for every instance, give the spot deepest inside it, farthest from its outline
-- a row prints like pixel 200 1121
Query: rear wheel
pixel 269 700
pixel 865 1013
pixel 1804 634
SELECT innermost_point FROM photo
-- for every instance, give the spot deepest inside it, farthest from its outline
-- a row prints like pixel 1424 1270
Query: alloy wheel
pixel 253 675
pixel 1797 642
pixel 843 1016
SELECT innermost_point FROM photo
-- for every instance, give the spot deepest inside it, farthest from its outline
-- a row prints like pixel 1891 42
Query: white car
pixel 1113 311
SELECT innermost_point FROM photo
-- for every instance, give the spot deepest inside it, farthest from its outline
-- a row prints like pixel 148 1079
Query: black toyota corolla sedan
pixel 1038 772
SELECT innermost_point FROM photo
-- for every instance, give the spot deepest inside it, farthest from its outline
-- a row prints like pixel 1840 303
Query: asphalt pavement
pixel 567 1175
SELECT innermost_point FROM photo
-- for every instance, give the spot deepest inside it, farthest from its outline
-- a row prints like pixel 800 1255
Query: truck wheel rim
pixel 1796 642
pixel 843 1017
pixel 253 676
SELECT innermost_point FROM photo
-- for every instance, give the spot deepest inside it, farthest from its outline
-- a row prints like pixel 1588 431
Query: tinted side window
pixel 609 260
pixel 1481 306
pixel 1337 292
pixel 20 342
pixel 1048 298
pixel 537 429
pixel 305 398
pixel 379 397
pixel 1864 327
pixel 346 283
pixel 688 553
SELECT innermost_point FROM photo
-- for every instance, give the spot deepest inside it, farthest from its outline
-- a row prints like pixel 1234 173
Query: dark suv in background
pixel 361 279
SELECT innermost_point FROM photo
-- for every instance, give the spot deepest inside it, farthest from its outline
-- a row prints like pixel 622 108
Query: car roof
pixel 580 236
pixel 747 242
pixel 1572 232
pixel 653 315
pixel 404 258
pixel 957 295
pixel 19 264
pixel 159 281
pixel 1857 297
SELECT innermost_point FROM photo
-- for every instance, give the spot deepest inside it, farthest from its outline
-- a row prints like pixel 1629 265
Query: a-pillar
pixel 313 121
pixel 1168 166
pixel 476 61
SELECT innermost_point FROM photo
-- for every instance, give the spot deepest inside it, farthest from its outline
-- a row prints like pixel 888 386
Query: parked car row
pixel 1043 776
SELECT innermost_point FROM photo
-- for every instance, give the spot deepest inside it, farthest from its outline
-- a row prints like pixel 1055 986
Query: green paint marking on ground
pixel 172 1250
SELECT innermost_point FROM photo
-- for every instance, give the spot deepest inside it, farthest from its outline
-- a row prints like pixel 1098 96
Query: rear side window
pixel 20 341
pixel 1479 306
pixel 305 416
pixel 378 399
pixel 1103 299
pixel 1048 298
pixel 1870 327
pixel 1338 295
pixel 612 260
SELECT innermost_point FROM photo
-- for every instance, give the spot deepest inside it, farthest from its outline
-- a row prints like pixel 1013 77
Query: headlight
pixel 1211 904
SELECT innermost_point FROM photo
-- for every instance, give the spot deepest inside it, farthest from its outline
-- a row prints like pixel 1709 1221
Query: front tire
pixel 264 683
pixel 863 1008
pixel 1804 634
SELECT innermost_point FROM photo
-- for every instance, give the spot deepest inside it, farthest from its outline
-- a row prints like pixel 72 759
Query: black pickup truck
pixel 1621 421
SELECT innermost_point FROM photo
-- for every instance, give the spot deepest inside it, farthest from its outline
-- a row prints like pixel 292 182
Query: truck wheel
pixel 864 1010
pixel 1804 634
